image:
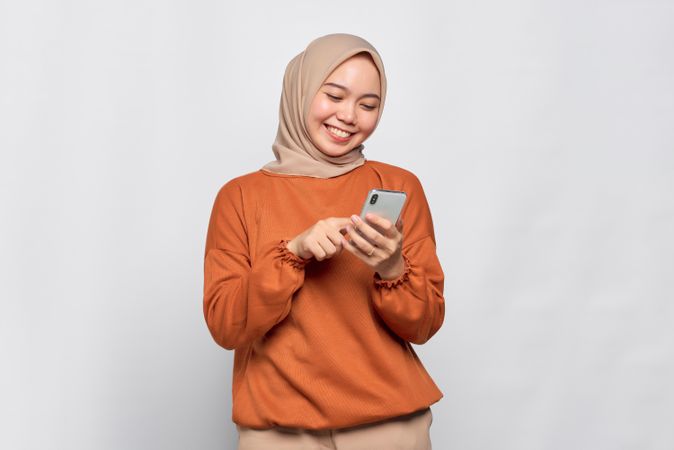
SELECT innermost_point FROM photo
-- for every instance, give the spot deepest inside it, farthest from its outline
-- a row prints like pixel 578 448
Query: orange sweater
pixel 319 344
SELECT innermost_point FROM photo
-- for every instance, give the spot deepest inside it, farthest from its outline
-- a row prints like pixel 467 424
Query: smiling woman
pixel 322 325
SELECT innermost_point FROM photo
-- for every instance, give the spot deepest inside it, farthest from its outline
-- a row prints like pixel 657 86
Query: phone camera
pixel 373 199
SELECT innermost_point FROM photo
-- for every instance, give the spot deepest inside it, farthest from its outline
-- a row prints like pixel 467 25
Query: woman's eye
pixel 336 99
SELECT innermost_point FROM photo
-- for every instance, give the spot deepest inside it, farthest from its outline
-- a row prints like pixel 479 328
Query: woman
pixel 322 335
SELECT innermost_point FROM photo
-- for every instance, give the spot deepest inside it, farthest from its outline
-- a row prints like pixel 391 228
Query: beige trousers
pixel 408 432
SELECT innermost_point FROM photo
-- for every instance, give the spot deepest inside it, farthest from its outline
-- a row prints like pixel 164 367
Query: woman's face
pixel 348 100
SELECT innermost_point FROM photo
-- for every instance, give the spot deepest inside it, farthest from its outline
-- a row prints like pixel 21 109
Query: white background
pixel 542 132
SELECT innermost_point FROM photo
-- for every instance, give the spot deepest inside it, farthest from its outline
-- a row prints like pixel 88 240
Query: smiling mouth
pixel 338 133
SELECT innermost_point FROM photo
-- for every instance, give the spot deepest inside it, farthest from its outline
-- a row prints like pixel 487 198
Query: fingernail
pixel 355 218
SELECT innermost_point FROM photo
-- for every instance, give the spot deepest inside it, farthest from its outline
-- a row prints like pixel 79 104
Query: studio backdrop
pixel 541 132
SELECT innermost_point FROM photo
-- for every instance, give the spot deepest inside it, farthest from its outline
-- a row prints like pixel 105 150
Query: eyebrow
pixel 346 89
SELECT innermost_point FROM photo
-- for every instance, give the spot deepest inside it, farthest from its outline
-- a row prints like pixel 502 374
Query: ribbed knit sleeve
pixel 413 304
pixel 242 301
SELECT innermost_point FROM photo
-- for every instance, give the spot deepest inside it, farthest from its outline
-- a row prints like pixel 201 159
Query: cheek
pixel 320 111
pixel 368 122
pixel 323 111
pixel 317 115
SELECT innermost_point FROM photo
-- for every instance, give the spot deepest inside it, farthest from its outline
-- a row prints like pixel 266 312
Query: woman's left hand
pixel 378 243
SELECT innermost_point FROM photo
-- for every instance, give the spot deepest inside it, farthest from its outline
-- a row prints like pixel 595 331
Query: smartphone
pixel 384 203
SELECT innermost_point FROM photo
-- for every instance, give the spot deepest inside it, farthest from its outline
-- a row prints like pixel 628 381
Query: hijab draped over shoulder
pixel 295 153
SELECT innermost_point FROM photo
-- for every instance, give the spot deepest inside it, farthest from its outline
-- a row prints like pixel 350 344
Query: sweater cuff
pixel 289 257
pixel 380 283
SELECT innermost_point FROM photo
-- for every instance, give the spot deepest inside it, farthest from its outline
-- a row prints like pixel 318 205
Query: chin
pixel 337 152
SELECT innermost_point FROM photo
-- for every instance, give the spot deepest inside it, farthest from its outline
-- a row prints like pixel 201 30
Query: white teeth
pixel 338 132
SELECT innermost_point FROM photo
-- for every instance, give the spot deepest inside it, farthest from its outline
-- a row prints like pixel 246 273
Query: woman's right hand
pixel 322 240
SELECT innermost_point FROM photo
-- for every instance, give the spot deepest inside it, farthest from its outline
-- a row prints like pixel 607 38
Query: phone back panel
pixel 385 203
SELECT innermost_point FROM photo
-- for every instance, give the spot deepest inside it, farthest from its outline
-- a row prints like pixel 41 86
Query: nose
pixel 347 113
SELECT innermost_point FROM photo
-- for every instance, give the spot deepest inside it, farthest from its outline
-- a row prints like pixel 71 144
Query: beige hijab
pixel 304 75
